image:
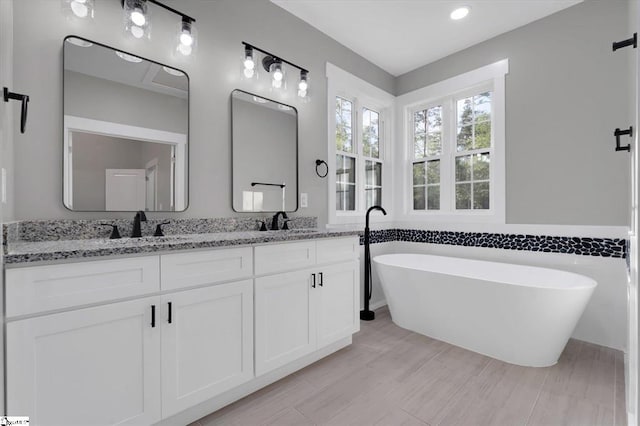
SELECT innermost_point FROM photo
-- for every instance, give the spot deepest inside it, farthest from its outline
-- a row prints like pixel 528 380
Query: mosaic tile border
pixel 584 246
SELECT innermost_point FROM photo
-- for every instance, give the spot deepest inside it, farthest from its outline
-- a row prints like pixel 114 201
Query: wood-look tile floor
pixel 391 376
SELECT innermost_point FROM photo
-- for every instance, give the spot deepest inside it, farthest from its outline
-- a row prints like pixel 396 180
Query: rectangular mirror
pixel 265 154
pixel 126 127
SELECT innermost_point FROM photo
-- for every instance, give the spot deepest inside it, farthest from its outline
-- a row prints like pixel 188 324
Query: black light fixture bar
pixel 272 55
pixel 170 9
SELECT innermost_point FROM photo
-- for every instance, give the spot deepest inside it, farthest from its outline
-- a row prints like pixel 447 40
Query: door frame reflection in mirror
pixel 133 133
pixel 280 184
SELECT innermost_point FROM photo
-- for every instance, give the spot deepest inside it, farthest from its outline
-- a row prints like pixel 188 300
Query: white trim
pixel 363 94
pixel 492 75
pixel 377 305
pixel 125 131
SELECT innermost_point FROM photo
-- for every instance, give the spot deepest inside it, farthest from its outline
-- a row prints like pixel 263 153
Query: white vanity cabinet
pixel 169 338
pixel 93 366
pixel 128 362
pixel 207 343
pixel 298 312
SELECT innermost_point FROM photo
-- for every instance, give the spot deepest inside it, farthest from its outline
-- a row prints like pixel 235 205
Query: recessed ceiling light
pixel 173 72
pixel 79 42
pixel 127 57
pixel 459 13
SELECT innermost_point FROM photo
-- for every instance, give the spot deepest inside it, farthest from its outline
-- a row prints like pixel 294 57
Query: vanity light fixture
pixel 275 66
pixel 78 8
pixel 460 13
pixel 303 84
pixel 249 63
pixel 138 24
pixel 136 18
pixel 186 36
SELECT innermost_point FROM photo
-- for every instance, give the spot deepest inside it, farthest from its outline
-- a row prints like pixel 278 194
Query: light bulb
pixel 248 72
pixel 186 38
pixel 249 64
pixel 137 17
pixel 184 49
pixel 277 74
pixel 302 86
pixel 136 31
pixel 79 8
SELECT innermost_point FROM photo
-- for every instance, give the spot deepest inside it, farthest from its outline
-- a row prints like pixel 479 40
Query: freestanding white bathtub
pixel 523 315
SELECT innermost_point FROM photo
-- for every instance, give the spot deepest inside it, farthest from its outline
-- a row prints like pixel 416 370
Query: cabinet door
pixel 338 302
pixel 207 348
pixel 285 319
pixel 94 366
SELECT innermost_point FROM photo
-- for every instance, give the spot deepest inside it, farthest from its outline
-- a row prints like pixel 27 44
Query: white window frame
pixel 490 77
pixel 342 84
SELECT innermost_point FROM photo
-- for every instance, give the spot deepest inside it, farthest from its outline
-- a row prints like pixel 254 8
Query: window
pixel 467 147
pixel 456 147
pixel 371 154
pixel 350 156
pixel 345 157
pixel 359 142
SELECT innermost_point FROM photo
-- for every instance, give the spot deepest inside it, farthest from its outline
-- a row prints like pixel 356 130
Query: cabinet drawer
pixel 44 288
pixel 205 267
pixel 338 249
pixel 285 257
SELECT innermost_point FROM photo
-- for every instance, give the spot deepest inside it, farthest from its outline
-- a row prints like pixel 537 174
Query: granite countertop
pixel 20 252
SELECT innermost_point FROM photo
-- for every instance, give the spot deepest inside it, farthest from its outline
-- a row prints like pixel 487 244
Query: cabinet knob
pixel 313 280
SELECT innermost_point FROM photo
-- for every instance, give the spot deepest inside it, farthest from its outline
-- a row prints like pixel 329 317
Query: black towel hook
pixel 25 101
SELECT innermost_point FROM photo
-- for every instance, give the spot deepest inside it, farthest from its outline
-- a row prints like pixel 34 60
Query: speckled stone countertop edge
pixel 32 253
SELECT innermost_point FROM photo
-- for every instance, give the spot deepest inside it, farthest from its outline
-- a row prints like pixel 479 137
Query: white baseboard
pixel 378 304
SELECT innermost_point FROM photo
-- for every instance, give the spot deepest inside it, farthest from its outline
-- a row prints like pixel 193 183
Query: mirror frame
pixel 188 150
pixel 297 198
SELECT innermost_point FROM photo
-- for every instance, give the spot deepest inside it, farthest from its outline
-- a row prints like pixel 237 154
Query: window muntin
pixel 373 183
pixel 466 152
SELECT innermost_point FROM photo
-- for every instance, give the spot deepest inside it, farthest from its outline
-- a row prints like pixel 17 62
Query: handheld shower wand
pixel 366 314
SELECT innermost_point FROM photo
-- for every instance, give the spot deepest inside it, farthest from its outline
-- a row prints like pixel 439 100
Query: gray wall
pixel 214 73
pixel 7 110
pixel 566 93
pixel 91 97
pixel 264 151
pixel 93 154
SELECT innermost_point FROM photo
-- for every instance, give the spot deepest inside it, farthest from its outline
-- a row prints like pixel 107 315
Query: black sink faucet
pixel 274 221
pixel 140 217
